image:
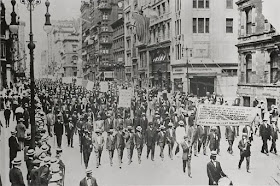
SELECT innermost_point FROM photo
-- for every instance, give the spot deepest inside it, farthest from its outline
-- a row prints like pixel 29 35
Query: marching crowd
pixel 66 109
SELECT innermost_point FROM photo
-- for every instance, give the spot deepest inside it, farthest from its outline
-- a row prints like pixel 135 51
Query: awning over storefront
pixel 159 58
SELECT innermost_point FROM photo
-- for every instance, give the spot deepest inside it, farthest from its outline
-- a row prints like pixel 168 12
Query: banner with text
pixel 104 86
pixel 124 98
pixel 209 115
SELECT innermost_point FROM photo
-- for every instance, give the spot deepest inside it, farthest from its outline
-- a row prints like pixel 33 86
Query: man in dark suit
pixel 230 136
pixel 161 141
pixel 14 147
pixel 15 173
pixel 171 138
pixel 88 180
pixel 144 124
pixel 245 152
pixel 129 137
pixel 108 123
pixel 213 139
pixel 110 145
pixel 214 170
pixel 120 145
pixel 58 131
pixel 265 133
pixel 151 135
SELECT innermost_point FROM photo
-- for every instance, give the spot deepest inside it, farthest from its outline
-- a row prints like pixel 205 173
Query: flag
pixel 150 13
pixel 142 27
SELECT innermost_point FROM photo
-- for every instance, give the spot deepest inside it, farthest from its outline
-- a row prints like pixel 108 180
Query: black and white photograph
pixel 139 92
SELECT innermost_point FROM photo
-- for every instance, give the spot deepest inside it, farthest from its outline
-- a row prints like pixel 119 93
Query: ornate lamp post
pixel 31 4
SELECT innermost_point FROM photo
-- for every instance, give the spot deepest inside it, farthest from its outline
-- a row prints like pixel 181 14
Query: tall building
pixel 20 58
pixel 203 53
pixel 65 50
pixel 118 50
pixel 5 67
pixel 259 61
pixel 147 61
pixel 98 15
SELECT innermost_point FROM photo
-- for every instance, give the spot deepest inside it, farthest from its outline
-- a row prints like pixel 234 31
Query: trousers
pixel 273 146
pixel 120 155
pixel 111 155
pixel 130 154
pixel 187 163
pixel 98 154
pixel 152 150
pixel 247 161
pixel 264 146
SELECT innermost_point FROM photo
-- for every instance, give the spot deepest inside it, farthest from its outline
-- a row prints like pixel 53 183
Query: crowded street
pixel 134 92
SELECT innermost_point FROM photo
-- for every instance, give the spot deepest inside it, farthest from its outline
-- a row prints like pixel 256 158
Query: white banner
pixel 79 82
pixel 124 98
pixel 67 80
pixel 104 86
pixel 90 85
pixel 208 115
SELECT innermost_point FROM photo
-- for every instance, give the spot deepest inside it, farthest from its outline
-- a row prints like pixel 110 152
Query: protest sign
pixel 124 98
pixel 104 86
pixel 209 115
pixel 90 85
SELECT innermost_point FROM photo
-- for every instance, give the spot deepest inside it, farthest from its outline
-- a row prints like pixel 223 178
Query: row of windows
pixel 143 59
pixel 118 31
pixel 178 51
pixel 118 43
pixel 160 33
pixel 162 8
pixel 202 25
pixel 274 68
pixel 205 4
pixel 118 55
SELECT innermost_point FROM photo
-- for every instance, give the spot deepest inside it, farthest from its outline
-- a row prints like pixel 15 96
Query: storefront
pixel 160 68
pixel 267 93
pixel 202 80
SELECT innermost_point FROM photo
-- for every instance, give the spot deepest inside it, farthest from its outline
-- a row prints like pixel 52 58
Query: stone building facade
pixel 259 61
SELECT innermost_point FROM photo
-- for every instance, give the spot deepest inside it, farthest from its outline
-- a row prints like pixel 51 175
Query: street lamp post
pixel 30 6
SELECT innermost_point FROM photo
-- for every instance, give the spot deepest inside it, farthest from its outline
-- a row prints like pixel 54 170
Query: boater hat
pixel 213 153
pixel 16 161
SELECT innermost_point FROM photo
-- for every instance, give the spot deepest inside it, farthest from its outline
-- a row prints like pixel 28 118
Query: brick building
pixel 259 61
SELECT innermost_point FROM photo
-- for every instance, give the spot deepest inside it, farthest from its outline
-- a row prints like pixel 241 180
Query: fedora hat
pixel 213 153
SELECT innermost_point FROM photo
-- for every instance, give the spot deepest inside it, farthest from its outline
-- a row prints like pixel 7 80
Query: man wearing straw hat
pixel 110 145
pixel 14 146
pixel 98 143
pixel 214 169
pixel 88 180
pixel 244 147
pixel 15 173
pixel 139 142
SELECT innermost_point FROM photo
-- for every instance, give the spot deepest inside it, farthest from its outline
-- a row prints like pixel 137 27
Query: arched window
pixel 274 67
pixel 248 68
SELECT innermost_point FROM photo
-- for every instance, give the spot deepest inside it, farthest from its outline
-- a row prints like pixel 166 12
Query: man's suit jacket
pixel 83 182
pixel 111 142
pixel 144 124
pixel 129 140
pixel 151 137
pixel 127 122
pixel 14 147
pixel 169 138
pixel 214 172
pixel 120 140
pixel 108 124
pixel 161 139
pixel 139 140
pixel 98 145
pixel 187 151
pixel 16 177
pixel 58 128
pixel 230 133
pixel 265 132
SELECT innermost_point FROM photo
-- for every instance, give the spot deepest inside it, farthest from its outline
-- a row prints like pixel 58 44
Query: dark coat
pixel 120 141
pixel 34 177
pixel 58 128
pixel 244 148
pixel 265 132
pixel 7 113
pixel 83 182
pixel 129 137
pixel 230 133
pixel 108 124
pixel 16 177
pixel 111 142
pixel 151 136
pixel 214 173
pixel 144 123
pixel 44 173
pixel 161 139
pixel 169 138
pixel 14 147
pixel 139 140
pixel 187 151
pixel 213 141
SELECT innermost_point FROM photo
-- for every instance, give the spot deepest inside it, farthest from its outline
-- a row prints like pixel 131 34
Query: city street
pixel 167 172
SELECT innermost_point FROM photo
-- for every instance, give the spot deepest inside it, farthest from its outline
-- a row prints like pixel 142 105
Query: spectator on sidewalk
pixel 7 116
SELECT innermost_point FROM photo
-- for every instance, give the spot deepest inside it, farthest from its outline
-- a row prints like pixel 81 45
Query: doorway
pixel 200 85
pixel 270 102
